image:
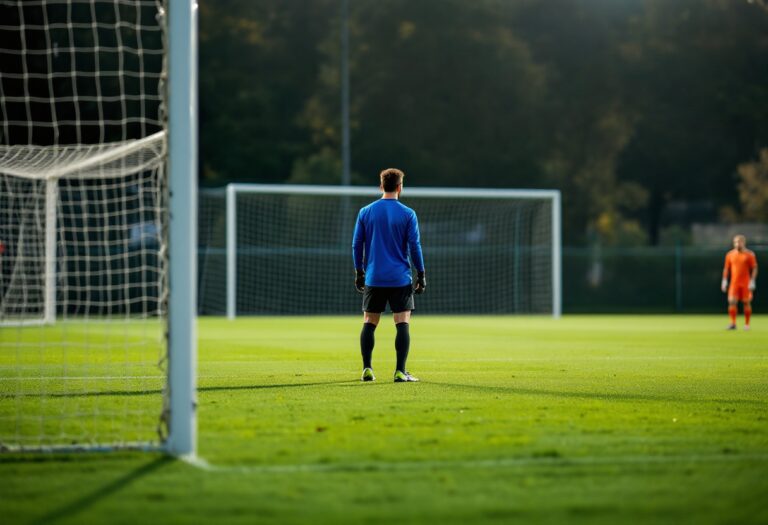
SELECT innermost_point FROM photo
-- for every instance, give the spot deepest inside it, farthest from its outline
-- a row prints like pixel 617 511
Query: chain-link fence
pixel 648 279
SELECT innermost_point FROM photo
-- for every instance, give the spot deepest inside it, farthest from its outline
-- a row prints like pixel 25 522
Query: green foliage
pixel 674 236
pixel 611 419
pixel 624 106
pixel 753 188
pixel 700 102
pixel 320 168
pixel 258 64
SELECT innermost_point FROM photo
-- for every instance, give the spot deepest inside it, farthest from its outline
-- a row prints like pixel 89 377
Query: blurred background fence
pixel 648 279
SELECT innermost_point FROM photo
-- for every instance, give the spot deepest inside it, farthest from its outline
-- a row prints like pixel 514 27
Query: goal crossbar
pixel 309 189
pixel 79 160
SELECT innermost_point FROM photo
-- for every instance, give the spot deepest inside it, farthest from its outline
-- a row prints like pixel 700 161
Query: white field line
pixel 492 464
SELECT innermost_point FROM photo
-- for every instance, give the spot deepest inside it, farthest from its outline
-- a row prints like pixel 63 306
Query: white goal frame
pixel 38 167
pixel 180 410
pixel 182 257
pixel 304 189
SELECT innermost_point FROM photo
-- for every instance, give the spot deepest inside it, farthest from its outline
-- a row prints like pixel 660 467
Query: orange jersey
pixel 739 265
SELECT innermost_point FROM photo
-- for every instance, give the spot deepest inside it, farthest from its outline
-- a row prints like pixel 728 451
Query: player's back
pixel 388 216
pixel 384 226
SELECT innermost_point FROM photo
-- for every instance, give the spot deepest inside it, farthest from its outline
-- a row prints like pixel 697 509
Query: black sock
pixel 366 343
pixel 402 345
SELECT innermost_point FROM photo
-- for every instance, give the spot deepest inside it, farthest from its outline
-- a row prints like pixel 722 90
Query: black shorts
pixel 375 298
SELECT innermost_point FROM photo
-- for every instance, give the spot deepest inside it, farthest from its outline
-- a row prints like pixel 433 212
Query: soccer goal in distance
pixel 286 249
pixel 97 225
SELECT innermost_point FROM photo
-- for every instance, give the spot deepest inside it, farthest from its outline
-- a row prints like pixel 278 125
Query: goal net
pixel 277 249
pixel 83 224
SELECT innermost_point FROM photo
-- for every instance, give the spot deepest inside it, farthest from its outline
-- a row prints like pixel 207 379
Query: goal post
pixel 98 223
pixel 182 303
pixel 286 249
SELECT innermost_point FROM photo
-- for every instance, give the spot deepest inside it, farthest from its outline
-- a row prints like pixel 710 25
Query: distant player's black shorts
pixel 375 298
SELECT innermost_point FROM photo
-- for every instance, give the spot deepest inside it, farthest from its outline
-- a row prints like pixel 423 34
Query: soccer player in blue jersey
pixel 387 232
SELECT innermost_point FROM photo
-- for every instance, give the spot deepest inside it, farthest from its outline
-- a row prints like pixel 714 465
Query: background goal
pixel 277 249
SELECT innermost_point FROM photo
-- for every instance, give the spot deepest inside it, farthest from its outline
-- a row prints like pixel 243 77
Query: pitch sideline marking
pixel 500 463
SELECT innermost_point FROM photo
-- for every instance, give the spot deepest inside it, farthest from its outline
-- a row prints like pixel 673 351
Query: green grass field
pixel 587 419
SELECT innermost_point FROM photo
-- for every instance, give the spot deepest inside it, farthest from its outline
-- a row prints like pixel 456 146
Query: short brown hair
pixel 391 178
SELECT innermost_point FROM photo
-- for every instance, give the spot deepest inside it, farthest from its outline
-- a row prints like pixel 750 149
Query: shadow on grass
pixel 199 389
pixel 606 396
pixel 283 385
pixel 84 502
pixel 80 457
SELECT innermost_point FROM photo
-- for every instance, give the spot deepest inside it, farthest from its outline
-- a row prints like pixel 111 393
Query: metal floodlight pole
pixel 346 178
pixel 182 258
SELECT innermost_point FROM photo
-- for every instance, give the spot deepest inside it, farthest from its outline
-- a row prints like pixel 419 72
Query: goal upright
pixel 98 190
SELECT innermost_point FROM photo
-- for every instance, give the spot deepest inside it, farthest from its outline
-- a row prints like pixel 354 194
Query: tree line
pixel 646 114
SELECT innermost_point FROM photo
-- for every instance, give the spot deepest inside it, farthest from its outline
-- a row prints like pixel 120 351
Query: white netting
pixel 83 223
pixel 83 161
pixel 293 252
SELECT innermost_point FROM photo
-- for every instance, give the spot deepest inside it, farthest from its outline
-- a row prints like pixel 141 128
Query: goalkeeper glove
pixel 360 280
pixel 752 285
pixel 421 283
pixel 724 285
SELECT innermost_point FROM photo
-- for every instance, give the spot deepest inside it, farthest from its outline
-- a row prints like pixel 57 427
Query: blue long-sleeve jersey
pixel 385 233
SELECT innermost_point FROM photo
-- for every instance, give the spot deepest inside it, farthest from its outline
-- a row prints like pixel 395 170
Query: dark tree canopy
pixel 630 108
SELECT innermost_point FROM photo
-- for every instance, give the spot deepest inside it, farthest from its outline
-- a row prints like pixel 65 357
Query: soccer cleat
pixel 746 327
pixel 731 327
pixel 368 375
pixel 404 377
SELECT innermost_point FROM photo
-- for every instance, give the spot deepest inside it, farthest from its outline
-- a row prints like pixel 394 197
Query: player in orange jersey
pixel 741 267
